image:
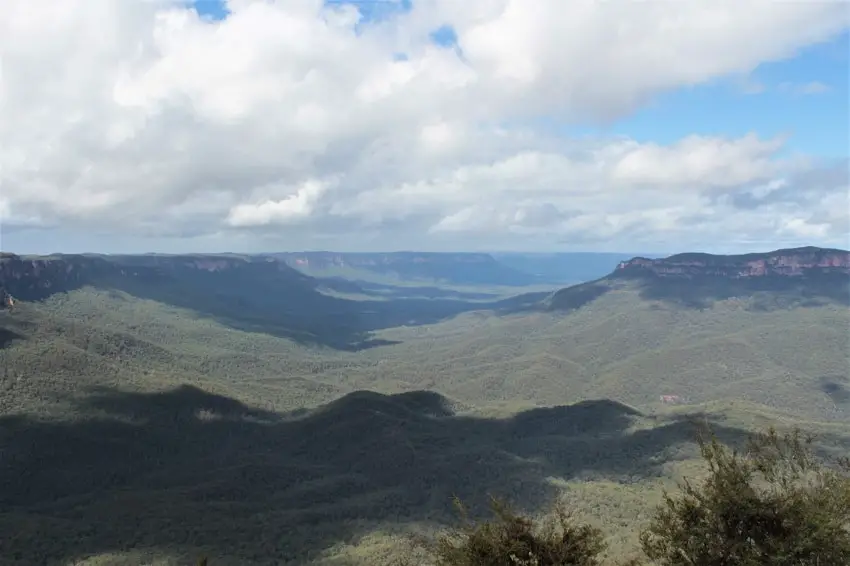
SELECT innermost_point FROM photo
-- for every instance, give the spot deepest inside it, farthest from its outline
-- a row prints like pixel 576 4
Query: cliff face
pixel 34 278
pixel 799 262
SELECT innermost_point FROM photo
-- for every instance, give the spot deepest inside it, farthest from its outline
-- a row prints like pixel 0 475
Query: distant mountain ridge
pixel 792 262
pixel 249 293
pixel 265 292
pixel 511 269
pixel 35 277
pixel 776 279
pixel 469 268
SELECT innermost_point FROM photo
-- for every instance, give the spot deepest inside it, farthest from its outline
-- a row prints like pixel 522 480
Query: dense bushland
pixel 774 504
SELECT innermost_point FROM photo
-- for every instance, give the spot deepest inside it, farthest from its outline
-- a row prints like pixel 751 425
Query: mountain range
pixel 497 269
pixel 156 407
pixel 35 277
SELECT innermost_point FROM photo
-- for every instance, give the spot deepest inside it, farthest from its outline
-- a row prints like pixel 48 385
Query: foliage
pixel 774 505
pixel 514 540
pixel 202 479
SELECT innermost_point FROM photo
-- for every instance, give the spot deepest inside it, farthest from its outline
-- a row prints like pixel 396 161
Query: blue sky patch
pixel 445 36
pixel 213 9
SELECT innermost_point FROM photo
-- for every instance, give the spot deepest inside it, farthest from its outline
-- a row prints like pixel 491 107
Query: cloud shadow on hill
pixel 253 295
pixel 186 472
pixel 297 310
pixel 8 336
pixel 837 387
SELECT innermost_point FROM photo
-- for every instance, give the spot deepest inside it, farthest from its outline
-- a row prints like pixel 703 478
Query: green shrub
pixel 514 540
pixel 774 505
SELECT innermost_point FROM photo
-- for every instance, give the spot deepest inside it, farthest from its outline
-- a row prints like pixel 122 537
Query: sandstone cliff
pixel 36 277
pixel 781 263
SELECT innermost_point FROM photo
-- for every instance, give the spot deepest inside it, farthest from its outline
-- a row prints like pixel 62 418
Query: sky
pixel 442 125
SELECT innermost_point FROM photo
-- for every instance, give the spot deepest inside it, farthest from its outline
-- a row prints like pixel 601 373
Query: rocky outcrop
pixel 798 262
pixel 7 301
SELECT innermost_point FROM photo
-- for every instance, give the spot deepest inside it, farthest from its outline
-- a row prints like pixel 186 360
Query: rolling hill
pixel 155 408
pixel 169 476
pixel 649 330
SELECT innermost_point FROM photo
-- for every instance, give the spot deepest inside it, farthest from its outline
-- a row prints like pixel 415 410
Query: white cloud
pixel 813 87
pixel 749 86
pixel 701 161
pixel 288 209
pixel 285 121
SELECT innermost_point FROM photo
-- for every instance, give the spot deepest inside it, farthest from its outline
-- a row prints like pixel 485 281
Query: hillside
pixel 154 408
pixel 774 339
pixel 779 340
pixel 207 474
pixel 251 293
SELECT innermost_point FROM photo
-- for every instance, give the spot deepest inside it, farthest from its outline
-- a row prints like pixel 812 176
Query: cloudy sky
pixel 261 125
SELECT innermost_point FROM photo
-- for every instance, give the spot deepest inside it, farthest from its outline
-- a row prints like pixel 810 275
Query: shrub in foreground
pixel 512 540
pixel 774 505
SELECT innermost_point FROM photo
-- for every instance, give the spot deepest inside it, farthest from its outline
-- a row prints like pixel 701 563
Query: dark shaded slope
pixel 764 293
pixel 837 387
pixel 188 472
pixel 36 278
pixel 255 294
pixel 7 336
pixel 252 294
pixel 572 298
